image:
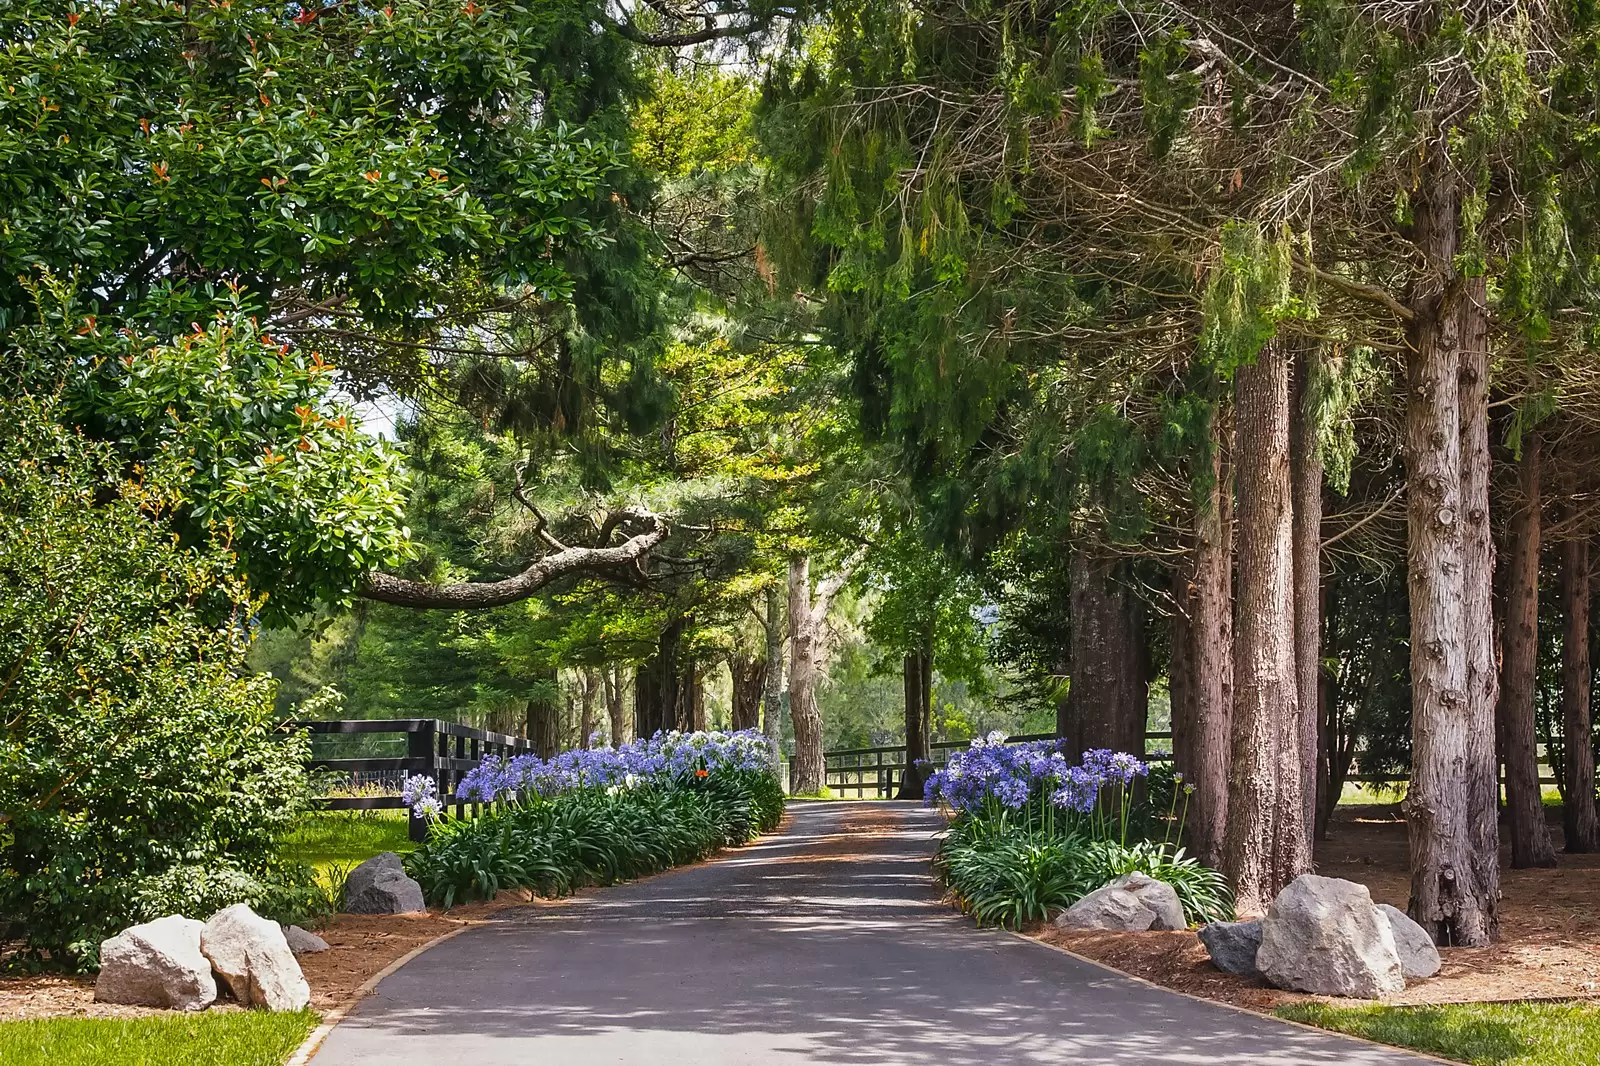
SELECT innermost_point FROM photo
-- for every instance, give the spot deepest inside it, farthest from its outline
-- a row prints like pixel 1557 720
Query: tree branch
pixel 829 586
pixel 476 595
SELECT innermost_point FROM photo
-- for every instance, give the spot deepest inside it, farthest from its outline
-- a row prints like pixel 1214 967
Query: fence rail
pixel 442 750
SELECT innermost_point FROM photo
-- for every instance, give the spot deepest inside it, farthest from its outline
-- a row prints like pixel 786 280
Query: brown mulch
pixel 359 947
pixel 1549 946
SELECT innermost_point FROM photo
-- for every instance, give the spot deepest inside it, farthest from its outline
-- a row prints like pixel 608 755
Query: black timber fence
pixel 442 750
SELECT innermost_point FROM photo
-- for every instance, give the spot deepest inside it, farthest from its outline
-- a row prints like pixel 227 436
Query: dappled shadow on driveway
pixel 827 944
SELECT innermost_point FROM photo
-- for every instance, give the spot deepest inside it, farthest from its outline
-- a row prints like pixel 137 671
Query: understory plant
pixel 142 769
pixel 1031 832
pixel 595 816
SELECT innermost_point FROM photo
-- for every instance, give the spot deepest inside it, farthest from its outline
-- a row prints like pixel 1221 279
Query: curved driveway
pixel 824 944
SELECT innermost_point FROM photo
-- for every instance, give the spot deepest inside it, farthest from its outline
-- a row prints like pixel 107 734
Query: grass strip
pixel 1483 1034
pixel 213 1038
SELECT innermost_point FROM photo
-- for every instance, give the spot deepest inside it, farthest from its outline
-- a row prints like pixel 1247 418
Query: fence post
pixel 422 749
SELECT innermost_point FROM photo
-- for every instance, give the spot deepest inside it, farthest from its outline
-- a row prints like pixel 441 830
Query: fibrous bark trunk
pixel 1203 651
pixel 616 708
pixel 1449 804
pixel 772 694
pixel 1530 837
pixel 1580 816
pixel 543 716
pixel 1265 847
pixel 1306 474
pixel 917 675
pixel 749 674
pixel 658 685
pixel 809 776
pixel 807 612
pixel 586 721
pixel 1108 697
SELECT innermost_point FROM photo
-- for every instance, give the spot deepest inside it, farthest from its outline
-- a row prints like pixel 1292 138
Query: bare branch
pixel 475 595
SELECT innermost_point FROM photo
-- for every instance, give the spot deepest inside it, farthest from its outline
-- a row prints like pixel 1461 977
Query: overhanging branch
pixel 476 595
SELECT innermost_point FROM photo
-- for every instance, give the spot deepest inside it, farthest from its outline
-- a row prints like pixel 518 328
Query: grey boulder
pixel 380 886
pixel 157 964
pixel 303 941
pixel 1419 957
pixel 1233 945
pixel 1132 903
pixel 252 956
pixel 1323 935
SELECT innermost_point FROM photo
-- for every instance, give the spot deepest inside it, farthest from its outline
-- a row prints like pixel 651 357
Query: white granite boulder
pixel 303 941
pixel 1132 903
pixel 380 886
pixel 1419 956
pixel 253 959
pixel 1323 935
pixel 157 964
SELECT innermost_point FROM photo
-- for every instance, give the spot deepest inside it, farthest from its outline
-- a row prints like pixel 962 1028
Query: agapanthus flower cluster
pixel 991 773
pixel 662 758
pixel 421 794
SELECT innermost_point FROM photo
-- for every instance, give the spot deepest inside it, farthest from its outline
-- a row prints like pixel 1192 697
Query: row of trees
pixel 1098 347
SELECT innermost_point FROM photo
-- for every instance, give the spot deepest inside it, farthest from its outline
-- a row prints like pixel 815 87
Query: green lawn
pixel 215 1038
pixel 334 842
pixel 1483 1034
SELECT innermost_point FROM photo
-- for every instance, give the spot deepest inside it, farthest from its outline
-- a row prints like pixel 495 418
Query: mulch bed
pixel 1549 946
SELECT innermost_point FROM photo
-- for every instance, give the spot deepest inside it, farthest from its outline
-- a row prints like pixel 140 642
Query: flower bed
pixel 1032 833
pixel 595 816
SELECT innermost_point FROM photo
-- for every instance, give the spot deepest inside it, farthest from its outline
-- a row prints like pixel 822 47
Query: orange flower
pixel 702 773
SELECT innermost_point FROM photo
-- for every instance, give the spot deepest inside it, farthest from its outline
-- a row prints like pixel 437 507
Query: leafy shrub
pixel 1033 833
pixel 131 743
pixel 1202 890
pixel 285 893
pixel 596 817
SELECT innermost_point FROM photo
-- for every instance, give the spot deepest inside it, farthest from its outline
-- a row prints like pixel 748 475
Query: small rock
pixel 157 964
pixel 1132 903
pixel 1157 895
pixel 1323 935
pixel 252 956
pixel 303 941
pixel 1233 945
pixel 1419 957
pixel 380 886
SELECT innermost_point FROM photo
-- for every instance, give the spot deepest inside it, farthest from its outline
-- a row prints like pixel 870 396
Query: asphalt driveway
pixel 824 944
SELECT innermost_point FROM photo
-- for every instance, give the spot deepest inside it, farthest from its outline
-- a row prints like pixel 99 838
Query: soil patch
pixel 1549 946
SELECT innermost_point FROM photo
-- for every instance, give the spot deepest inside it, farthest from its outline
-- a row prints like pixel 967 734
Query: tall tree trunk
pixel 1306 473
pixel 1327 792
pixel 749 675
pixel 544 715
pixel 1582 823
pixel 1454 876
pixel 807 612
pixel 1180 666
pixel 586 721
pixel 772 694
pixel 809 775
pixel 658 685
pixel 1108 697
pixel 918 684
pixel 1265 847
pixel 616 708
pixel 1212 656
pixel 1530 837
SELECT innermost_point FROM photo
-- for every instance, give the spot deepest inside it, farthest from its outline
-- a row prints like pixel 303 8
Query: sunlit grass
pixel 336 841
pixel 1483 1034
pixel 215 1038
